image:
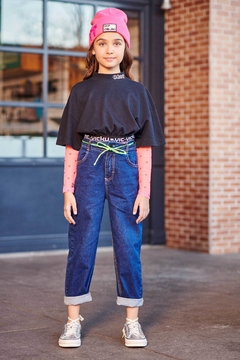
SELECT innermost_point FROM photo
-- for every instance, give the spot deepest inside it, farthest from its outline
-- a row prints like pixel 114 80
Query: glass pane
pixel 54 118
pixel 64 72
pixel 21 146
pixel 20 77
pixel 134 29
pixel 21 132
pixel 21 22
pixel 68 25
pixel 135 71
pixel 20 121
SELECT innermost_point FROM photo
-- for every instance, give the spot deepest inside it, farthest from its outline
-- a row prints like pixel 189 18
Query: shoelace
pixel 72 325
pixel 105 147
pixel 80 318
pixel 134 327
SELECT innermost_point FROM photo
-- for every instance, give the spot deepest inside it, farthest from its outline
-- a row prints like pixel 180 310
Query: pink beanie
pixel 107 20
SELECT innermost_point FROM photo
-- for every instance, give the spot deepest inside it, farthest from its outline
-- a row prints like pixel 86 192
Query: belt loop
pixel 90 142
pixel 88 138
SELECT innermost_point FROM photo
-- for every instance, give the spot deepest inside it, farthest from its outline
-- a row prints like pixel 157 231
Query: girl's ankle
pixel 78 319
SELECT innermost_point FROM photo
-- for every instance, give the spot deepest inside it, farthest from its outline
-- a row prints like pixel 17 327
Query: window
pixel 22 23
pixel 43 45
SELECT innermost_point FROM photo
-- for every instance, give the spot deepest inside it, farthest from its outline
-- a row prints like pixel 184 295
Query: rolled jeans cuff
pixel 77 300
pixel 129 302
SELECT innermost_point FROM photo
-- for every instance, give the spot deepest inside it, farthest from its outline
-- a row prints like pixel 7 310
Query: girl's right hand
pixel 69 206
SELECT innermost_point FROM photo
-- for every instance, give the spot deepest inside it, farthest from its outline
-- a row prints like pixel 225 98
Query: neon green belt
pixel 105 147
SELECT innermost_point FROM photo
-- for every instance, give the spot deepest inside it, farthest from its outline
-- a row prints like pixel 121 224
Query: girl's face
pixel 109 50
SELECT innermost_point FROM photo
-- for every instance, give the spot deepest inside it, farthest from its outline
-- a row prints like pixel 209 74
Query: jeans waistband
pixel 109 144
pixel 100 138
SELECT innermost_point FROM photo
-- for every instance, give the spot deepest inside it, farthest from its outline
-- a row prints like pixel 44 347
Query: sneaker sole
pixel 69 343
pixel 135 343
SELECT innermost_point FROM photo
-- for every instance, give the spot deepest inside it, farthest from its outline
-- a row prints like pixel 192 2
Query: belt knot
pixel 106 147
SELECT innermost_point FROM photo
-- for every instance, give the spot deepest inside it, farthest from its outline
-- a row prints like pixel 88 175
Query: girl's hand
pixel 69 204
pixel 141 203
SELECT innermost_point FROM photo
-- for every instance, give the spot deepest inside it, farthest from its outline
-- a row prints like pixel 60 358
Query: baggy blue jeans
pixel 113 177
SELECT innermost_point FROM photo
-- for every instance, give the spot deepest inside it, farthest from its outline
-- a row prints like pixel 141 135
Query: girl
pixel 108 128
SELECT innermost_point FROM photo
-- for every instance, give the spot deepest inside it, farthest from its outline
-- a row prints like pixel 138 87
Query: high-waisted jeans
pixel 106 170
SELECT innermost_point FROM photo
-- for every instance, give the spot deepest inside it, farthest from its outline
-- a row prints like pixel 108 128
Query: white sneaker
pixel 133 334
pixel 71 336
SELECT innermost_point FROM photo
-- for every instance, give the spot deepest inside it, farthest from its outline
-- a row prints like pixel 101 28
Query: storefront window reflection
pixel 64 72
pixel 21 22
pixel 21 132
pixel 21 121
pixel 68 25
pixel 133 25
pixel 135 71
pixel 54 118
pixel 20 76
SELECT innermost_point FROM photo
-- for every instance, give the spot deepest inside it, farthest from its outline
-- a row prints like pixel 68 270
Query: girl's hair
pixel 92 63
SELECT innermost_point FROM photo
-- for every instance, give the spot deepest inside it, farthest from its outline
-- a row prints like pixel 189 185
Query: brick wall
pixel 202 120
pixel 186 124
pixel 224 106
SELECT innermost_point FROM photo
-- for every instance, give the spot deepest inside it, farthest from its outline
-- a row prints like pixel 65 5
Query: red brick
pixel 194 69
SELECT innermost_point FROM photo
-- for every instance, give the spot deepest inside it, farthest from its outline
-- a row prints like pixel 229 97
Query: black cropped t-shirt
pixel 110 105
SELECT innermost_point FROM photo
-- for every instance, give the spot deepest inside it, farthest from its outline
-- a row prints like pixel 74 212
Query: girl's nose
pixel 109 50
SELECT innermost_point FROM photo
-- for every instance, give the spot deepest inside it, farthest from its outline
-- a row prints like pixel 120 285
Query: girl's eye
pixel 118 43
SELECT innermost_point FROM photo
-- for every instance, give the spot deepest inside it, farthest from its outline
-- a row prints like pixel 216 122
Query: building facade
pixel 188 57
pixel 43 44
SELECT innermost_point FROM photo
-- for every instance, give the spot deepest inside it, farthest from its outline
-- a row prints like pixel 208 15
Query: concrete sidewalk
pixel 191 309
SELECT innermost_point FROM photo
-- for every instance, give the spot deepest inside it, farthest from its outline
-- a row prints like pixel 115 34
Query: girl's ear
pixel 93 52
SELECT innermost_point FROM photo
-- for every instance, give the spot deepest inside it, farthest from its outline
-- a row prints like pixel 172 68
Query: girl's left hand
pixel 141 203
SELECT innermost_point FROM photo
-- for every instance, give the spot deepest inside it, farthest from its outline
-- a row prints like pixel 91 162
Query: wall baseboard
pixel 10 244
